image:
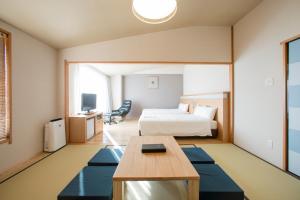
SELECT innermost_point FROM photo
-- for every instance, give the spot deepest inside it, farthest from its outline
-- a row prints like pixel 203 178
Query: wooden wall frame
pixel 150 62
pixel 66 84
pixel 66 98
pixel 284 45
pixel 285 121
pixel 231 95
pixel 220 100
pixel 66 81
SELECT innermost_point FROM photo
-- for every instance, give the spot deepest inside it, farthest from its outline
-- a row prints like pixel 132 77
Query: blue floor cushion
pixel 106 157
pixel 215 184
pixel 92 183
pixel 198 156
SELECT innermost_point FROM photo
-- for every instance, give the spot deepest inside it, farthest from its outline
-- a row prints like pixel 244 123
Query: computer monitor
pixel 88 102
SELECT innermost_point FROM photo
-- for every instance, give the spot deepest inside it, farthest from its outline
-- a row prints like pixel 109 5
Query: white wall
pixel 184 44
pixel 167 95
pixel 162 69
pixel 34 96
pixel 258 56
pixel 116 91
pixel 199 79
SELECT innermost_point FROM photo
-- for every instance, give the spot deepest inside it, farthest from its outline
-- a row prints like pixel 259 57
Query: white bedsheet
pixel 162 111
pixel 174 125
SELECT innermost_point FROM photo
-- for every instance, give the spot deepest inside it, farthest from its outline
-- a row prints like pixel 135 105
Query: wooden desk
pixel 78 126
pixel 172 165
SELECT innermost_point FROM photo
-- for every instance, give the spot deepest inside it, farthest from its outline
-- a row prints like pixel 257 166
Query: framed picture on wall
pixel 153 82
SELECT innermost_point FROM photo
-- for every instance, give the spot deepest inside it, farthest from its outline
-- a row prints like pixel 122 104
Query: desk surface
pixel 90 115
pixel 172 165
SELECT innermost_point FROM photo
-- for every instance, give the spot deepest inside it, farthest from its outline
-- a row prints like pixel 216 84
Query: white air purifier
pixel 54 136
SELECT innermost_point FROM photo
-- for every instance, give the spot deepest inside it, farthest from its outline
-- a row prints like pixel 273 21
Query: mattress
pixel 175 125
pixel 162 111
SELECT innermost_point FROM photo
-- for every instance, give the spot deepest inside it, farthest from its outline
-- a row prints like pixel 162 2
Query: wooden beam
pixel 290 39
pixel 152 62
pixel 66 98
pixel 285 120
pixel 285 107
pixel 231 78
pixel 67 65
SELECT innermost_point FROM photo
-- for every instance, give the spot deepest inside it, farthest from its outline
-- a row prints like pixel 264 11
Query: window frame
pixel 8 45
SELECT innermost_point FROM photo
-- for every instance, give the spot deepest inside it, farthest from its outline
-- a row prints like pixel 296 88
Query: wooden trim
pixel 6 174
pixel 67 99
pixel 290 39
pixel 285 114
pixel 285 120
pixel 222 115
pixel 231 100
pixel 66 77
pixel 231 78
pixel 150 62
pixel 5 31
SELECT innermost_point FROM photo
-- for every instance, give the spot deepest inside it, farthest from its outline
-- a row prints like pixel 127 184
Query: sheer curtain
pixel 85 78
pixel 74 89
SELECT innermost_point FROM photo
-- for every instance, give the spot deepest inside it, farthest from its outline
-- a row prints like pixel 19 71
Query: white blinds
pixel 4 89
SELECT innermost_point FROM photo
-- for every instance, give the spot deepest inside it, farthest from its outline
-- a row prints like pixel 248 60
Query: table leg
pixel 193 189
pixel 117 190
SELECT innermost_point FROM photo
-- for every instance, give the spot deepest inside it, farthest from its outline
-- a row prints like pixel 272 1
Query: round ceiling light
pixel 154 11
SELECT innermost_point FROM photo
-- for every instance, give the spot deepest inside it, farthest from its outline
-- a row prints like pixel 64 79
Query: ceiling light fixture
pixel 154 11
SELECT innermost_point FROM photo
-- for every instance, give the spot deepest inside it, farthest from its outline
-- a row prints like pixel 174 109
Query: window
pixel 86 78
pixel 5 87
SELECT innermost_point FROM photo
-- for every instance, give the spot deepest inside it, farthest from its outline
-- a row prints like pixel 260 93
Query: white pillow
pixel 183 107
pixel 207 112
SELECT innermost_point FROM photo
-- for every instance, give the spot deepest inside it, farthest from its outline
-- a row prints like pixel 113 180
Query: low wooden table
pixel 172 165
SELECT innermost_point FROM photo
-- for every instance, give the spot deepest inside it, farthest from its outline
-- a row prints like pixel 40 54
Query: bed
pixel 178 125
pixel 162 111
pixel 185 124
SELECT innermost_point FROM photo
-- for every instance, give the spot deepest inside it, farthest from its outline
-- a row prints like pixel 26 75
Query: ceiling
pixel 67 23
pixel 112 69
pixel 127 69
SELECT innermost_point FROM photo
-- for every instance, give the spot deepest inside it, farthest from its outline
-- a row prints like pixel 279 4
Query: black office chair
pixel 121 112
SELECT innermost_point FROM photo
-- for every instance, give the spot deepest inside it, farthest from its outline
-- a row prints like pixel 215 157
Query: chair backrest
pixel 126 102
pixel 125 108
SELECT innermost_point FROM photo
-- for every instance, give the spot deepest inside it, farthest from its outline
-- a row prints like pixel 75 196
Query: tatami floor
pixel 48 177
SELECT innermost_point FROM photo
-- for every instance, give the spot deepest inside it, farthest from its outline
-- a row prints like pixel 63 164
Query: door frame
pixel 67 65
pixel 284 45
pixel 231 81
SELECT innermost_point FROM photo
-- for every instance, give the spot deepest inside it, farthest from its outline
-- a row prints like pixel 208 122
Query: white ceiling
pixel 66 23
pixel 127 69
pixel 156 68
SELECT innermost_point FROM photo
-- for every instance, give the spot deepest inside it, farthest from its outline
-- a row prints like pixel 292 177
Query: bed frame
pixel 219 100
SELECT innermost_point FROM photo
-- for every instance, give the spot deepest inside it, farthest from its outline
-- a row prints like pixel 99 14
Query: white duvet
pixel 162 111
pixel 174 125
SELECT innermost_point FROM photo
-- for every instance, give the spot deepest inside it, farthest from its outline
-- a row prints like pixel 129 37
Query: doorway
pixel 219 71
pixel 292 49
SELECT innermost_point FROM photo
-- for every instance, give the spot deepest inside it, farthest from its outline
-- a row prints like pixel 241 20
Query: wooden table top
pixel 171 165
